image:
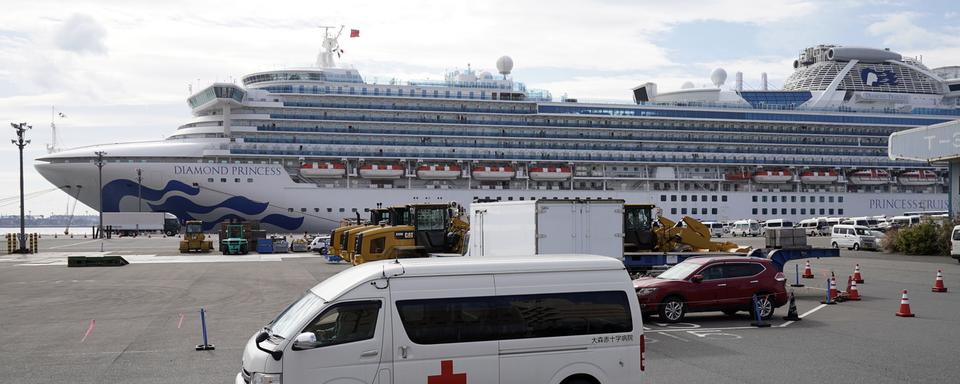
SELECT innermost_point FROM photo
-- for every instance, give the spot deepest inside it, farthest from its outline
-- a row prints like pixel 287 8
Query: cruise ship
pixel 300 149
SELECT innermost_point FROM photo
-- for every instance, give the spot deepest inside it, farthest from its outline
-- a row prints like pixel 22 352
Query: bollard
pixel 797 269
pixel 203 328
pixel 759 323
pixel 829 300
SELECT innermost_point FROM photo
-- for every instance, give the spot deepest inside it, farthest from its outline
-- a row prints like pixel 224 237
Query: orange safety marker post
pixel 904 306
pixel 938 284
pixel 807 271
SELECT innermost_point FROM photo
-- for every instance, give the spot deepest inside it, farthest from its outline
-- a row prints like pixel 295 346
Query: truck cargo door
pixel 557 224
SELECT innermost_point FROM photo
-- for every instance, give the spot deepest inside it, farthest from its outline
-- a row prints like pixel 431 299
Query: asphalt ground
pixel 138 336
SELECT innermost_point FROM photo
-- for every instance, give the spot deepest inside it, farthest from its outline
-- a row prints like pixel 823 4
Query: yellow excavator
pixel 432 228
pixel 643 234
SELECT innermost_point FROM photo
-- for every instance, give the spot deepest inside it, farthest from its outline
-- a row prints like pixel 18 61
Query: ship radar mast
pixel 329 47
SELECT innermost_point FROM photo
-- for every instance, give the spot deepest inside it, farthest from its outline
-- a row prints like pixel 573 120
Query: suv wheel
pixel 765 302
pixel 856 246
pixel 672 309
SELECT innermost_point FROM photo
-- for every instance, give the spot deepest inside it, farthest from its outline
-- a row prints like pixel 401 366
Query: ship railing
pixel 423 142
pixel 403 107
pixel 570 135
pixel 923 111
pixel 666 159
pixel 556 123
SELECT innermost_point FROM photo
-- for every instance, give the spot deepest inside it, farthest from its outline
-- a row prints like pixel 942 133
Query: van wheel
pixel 765 302
pixel 672 309
pixel 835 245
pixel 856 246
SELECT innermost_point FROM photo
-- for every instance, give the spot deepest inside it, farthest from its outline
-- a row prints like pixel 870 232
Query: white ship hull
pixel 267 193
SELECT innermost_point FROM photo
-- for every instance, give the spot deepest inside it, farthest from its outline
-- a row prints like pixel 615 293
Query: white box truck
pixel 134 223
pixel 547 227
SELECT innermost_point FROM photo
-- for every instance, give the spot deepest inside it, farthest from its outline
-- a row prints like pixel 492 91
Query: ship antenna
pixel 328 47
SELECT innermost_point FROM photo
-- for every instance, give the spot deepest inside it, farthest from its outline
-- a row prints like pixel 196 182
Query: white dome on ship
pixel 504 65
pixel 486 76
pixel 687 85
pixel 718 77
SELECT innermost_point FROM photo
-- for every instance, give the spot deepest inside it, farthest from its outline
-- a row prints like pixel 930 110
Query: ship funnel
pixel 763 81
pixel 739 81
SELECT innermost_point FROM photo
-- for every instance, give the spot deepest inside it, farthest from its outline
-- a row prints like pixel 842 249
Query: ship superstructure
pixel 301 148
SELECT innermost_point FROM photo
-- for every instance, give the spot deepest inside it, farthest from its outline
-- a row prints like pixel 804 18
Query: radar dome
pixel 504 65
pixel 486 76
pixel 718 77
pixel 687 85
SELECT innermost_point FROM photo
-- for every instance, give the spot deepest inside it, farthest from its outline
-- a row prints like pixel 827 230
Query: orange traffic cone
pixel 938 285
pixel 807 272
pixel 904 306
pixel 834 294
pixel 856 275
pixel 853 293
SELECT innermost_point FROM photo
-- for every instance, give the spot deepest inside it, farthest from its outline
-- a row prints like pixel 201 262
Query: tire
pixel 730 312
pixel 835 245
pixel 856 246
pixel 766 305
pixel 672 309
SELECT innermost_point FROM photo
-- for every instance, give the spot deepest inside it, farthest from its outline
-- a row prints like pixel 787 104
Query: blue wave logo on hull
pixel 185 209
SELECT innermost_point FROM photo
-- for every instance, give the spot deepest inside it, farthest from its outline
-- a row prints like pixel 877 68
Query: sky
pixel 121 70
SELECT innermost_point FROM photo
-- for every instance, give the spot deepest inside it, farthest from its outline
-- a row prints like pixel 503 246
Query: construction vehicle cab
pixel 194 240
pixel 638 231
pixel 432 228
pixel 339 235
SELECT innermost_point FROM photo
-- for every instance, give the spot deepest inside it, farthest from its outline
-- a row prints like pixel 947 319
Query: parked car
pixel 776 224
pixel 955 243
pixel 854 237
pixel 320 244
pixel 716 228
pixel 716 283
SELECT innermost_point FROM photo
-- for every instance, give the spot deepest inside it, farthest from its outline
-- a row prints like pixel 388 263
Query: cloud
pixel 81 34
pixel 901 30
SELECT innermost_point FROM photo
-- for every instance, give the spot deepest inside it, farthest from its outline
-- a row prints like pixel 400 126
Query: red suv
pixel 718 283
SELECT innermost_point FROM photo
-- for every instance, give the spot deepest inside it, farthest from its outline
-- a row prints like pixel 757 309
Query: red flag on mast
pixel 354 33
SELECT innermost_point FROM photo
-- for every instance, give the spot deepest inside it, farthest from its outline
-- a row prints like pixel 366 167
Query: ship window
pixel 223 179
pixel 821 199
pixel 821 211
pixel 713 198
pixel 803 199
pixel 754 211
pixel 236 180
pixel 840 200
pixel 673 211
pixel 304 210
pixel 683 197
pixel 693 198
pixel 353 209
pixel 704 198
pixel 342 210
pixel 754 198
pixel 803 211
pixel 521 198
pixel 510 198
pixel 290 210
pixel 764 199
pixel 209 179
pixel 713 211
pixel 773 199
pixel 673 197
pixel 764 211
pixel 840 211
pixel 317 210
pixel 329 210
pixel 663 197
pixel 723 198
pixel 793 199
pixel 683 211
pixel 831 211
pixel 249 180
pixel 773 211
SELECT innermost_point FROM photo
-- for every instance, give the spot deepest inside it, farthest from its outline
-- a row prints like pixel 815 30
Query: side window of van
pixel 471 319
pixel 956 235
pixel 849 231
pixel 346 323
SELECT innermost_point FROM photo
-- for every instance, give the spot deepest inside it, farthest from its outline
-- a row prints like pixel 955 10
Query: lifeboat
pixel 381 171
pixel 493 173
pixel 322 170
pixel 819 177
pixel 550 173
pixel 738 176
pixel 438 172
pixel 917 177
pixel 869 177
pixel 779 176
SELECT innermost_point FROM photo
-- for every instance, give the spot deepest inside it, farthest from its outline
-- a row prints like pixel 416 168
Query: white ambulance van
pixel 566 319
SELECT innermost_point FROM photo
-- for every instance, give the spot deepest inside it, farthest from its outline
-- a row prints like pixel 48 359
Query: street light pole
pixel 20 143
pixel 139 189
pixel 99 162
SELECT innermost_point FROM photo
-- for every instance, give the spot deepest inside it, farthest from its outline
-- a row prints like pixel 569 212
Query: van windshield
pixel 755 226
pixel 863 232
pixel 286 324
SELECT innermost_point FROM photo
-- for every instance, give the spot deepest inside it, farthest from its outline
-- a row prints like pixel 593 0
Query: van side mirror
pixel 306 340
pixel 697 278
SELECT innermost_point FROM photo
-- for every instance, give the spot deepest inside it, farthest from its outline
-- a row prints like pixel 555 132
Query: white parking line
pixel 817 308
pixel 675 337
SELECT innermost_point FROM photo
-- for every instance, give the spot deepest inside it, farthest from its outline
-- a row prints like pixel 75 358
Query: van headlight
pixel 265 378
pixel 645 291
